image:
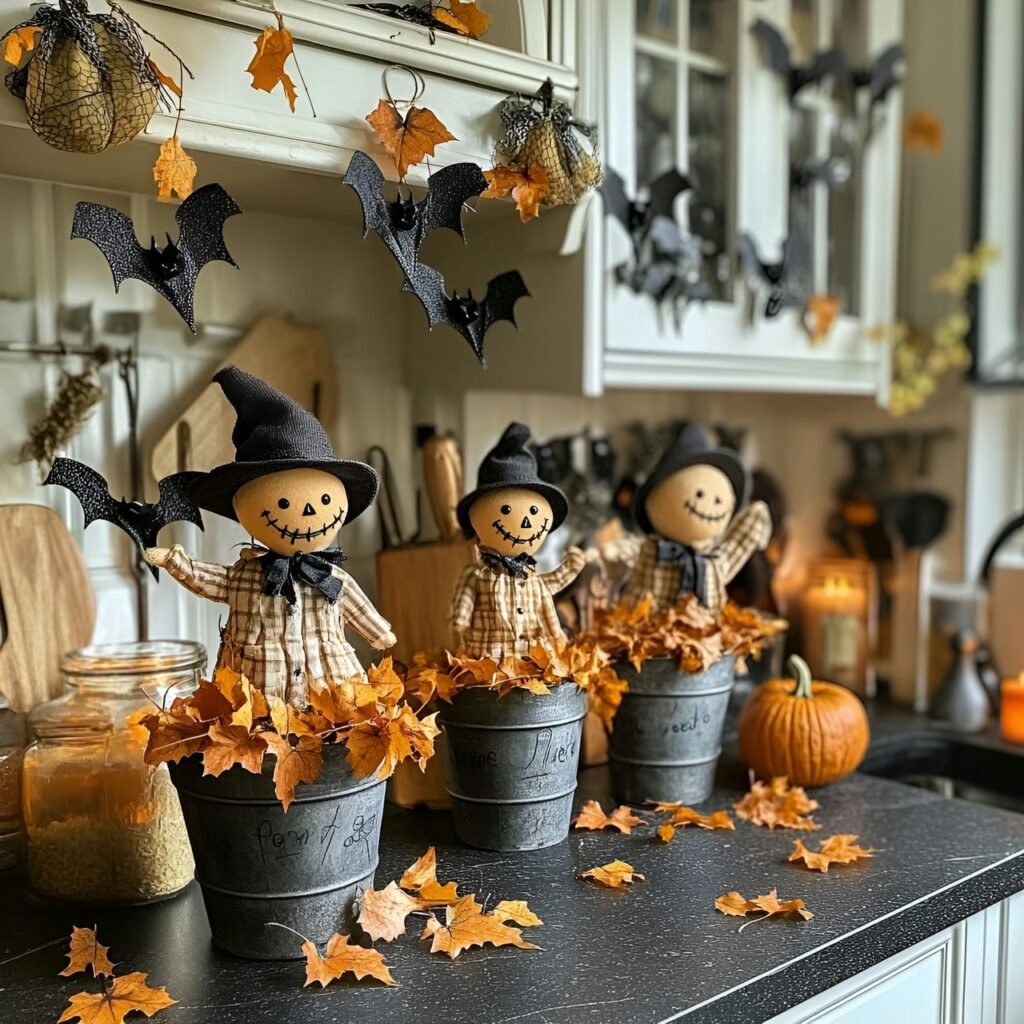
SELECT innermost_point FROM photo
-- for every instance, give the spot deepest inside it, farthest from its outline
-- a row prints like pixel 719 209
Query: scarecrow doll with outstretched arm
pixel 502 606
pixel 288 598
pixel 699 535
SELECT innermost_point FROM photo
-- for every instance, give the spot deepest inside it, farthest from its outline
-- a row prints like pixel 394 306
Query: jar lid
pixel 146 657
pixel 60 719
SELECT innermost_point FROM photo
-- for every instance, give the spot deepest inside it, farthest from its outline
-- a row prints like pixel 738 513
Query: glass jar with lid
pixel 13 738
pixel 101 826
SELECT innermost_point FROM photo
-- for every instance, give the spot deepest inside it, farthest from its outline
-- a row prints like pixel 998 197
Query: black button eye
pixel 283 503
pixel 700 494
pixel 325 499
pixel 533 510
pixel 506 509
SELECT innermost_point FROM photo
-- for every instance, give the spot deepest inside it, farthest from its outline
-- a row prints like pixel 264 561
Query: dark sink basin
pixel 972 768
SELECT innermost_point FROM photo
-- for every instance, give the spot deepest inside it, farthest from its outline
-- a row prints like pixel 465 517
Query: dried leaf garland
pixel 466 925
pixel 409 139
pixel 592 817
pixel 20 41
pixel 615 875
pixel 527 185
pixel 273 48
pixel 734 904
pixel 462 16
pixel 837 849
pixel 174 171
pixel 776 804
pixel 87 954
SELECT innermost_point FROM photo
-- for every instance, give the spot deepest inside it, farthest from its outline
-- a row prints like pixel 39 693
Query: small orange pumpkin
pixel 812 732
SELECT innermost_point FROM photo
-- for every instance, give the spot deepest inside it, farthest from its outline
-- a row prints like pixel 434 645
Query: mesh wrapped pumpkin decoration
pixel 88 84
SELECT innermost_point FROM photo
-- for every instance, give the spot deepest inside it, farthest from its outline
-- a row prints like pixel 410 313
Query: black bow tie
pixel 692 567
pixel 315 569
pixel 518 567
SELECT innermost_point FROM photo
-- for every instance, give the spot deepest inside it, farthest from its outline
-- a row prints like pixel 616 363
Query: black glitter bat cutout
pixel 142 522
pixel 783 278
pixel 881 77
pixel 403 226
pixel 638 217
pixel 173 269
pixel 824 64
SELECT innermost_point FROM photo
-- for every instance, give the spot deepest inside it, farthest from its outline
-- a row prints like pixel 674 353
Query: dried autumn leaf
pixel 386 682
pixel 86 953
pixel 407 140
pixel 735 905
pixel 681 816
pixel 838 849
pixel 301 763
pixel 466 926
pixel 527 185
pixel 343 957
pixel 518 911
pixel 592 817
pixel 615 875
pixel 342 703
pixel 464 17
pixel 273 48
pixel 923 131
pixel 120 997
pixel 666 833
pixel 171 738
pixel 421 877
pixel 819 316
pixel 174 170
pixel 776 804
pixel 208 703
pixel 19 42
pixel 233 745
pixel 379 745
pixel 165 80
pixel 383 912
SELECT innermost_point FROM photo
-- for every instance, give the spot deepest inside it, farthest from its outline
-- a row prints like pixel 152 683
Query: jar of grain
pixel 13 738
pixel 101 826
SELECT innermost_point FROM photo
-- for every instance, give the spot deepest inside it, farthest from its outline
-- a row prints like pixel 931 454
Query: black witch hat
pixel 693 446
pixel 273 433
pixel 510 463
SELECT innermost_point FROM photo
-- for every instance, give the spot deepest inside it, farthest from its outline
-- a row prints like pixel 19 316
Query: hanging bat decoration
pixel 833 172
pixel 404 225
pixel 173 269
pixel 141 521
pixel 825 64
pixel 635 215
pixel 784 280
pixel 882 76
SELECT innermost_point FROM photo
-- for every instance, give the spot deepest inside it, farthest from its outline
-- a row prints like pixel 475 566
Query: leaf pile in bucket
pixel 229 722
pixel 693 635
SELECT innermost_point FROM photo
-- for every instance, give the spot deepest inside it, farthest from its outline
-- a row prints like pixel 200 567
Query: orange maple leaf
pixel 819 316
pixel 249 704
pixel 295 764
pixel 120 997
pixel 421 878
pixel 165 80
pixel 343 703
pixel 527 185
pixel 464 16
pixel 838 849
pixel 776 804
pixel 666 832
pixel 736 905
pixel 592 817
pixel 208 703
pixel 233 745
pixel 407 140
pixel 174 170
pixel 383 912
pixel 615 875
pixel 466 925
pixel 923 131
pixel 19 42
pixel 343 957
pixel 273 48
pixel 518 911
pixel 379 745
pixel 386 682
pixel 86 953
pixel 171 738
pixel 681 816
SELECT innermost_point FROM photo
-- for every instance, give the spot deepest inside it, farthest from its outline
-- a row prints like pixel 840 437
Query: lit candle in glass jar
pixel 835 613
pixel 1011 709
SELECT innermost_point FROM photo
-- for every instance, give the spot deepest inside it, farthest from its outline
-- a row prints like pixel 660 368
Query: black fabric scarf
pixel 692 567
pixel 518 566
pixel 279 572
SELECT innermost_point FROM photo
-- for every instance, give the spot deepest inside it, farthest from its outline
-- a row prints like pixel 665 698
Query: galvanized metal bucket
pixel 668 731
pixel 256 863
pixel 510 765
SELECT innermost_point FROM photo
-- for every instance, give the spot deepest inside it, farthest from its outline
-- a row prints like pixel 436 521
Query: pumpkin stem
pixel 801 672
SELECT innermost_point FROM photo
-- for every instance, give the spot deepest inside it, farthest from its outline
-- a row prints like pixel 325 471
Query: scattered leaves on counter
pixel 174 171
pixel 666 833
pixel 421 878
pixel 382 912
pixel 464 17
pixel 343 957
pixel 527 185
pixel 518 911
pixel 273 48
pixel 87 954
pixel 19 42
pixel 466 925
pixel 407 140
pixel 592 817
pixel 616 875
pixel 736 905
pixel 776 804
pixel 838 849
pixel 680 816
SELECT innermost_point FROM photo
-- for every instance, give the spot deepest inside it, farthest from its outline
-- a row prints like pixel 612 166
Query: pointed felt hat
pixel 273 433
pixel 510 463
pixel 693 446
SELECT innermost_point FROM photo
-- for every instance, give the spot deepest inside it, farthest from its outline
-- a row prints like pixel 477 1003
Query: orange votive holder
pixel 1011 709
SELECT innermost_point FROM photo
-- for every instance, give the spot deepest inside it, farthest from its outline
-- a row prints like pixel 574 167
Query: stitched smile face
pixel 512 521
pixel 293 512
pixel 693 505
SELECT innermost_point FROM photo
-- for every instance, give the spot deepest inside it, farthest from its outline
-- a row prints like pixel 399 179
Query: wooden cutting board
pixel 295 359
pixel 48 603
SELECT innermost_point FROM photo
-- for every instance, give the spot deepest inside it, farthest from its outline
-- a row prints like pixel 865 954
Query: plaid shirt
pixel 284 649
pixel 750 531
pixel 497 614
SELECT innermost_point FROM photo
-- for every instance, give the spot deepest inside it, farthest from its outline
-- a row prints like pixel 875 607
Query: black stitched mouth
pixel 520 540
pixel 307 534
pixel 693 510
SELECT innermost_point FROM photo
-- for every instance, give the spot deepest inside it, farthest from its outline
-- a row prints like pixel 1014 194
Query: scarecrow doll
pixel 502 606
pixel 699 535
pixel 288 598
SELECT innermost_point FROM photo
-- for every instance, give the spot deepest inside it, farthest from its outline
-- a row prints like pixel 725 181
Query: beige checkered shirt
pixel 497 614
pixel 282 648
pixel 750 531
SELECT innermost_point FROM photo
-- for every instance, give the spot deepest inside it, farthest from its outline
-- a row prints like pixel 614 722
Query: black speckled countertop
pixel 656 953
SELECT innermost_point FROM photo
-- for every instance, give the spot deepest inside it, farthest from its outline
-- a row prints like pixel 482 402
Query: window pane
pixel 655 117
pixel 711 28
pixel 708 152
pixel 657 19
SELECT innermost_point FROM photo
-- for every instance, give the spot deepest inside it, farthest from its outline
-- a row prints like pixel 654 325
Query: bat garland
pixel 172 270
pixel 141 521
pixel 403 226
pixel 824 64
pixel 785 282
